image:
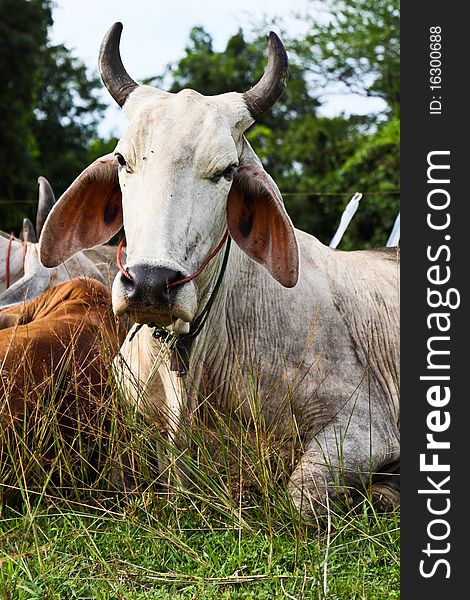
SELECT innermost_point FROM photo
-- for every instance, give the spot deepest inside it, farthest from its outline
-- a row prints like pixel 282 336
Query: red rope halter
pixel 118 259
pixel 180 281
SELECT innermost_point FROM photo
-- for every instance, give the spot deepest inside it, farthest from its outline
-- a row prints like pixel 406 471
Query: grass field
pixel 65 532
pixel 138 549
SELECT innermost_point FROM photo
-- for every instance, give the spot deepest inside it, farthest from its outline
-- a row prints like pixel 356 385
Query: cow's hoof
pixel 318 501
pixel 385 496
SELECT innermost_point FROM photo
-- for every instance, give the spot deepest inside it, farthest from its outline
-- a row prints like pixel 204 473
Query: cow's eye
pixel 227 173
pixel 121 160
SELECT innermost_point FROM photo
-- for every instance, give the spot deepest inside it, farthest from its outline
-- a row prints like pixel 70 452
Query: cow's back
pixel 62 346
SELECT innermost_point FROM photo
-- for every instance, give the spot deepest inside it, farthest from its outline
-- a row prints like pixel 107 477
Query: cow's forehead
pixel 186 120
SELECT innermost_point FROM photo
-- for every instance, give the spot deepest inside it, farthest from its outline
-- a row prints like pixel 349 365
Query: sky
pixel 156 32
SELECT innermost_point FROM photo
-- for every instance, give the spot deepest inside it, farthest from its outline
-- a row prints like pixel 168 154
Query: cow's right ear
pixel 87 214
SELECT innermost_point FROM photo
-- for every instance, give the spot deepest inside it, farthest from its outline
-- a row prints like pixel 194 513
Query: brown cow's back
pixel 61 346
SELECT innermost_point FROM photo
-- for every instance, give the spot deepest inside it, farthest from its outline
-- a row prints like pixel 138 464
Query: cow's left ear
pixel 87 214
pixel 260 225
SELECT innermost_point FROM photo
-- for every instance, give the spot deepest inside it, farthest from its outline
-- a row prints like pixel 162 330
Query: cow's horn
pixel 27 233
pixel 46 201
pixel 114 75
pixel 268 89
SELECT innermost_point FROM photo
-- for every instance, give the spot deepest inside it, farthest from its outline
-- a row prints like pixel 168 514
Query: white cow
pixel 318 338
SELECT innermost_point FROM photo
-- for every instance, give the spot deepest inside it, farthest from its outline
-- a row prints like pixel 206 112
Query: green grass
pixel 65 532
pixel 178 550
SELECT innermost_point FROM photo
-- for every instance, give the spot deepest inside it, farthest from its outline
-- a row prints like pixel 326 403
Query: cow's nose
pixel 148 285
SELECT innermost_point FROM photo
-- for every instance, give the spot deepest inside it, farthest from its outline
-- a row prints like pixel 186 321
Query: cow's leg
pixel 175 404
pixel 343 459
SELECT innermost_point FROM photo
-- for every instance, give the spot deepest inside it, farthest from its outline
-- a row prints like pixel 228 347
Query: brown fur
pixel 63 340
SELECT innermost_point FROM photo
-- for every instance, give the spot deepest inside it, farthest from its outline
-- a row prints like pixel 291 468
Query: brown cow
pixel 55 351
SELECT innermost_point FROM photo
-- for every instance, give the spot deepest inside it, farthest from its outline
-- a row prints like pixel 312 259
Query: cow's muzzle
pixel 145 293
pixel 149 286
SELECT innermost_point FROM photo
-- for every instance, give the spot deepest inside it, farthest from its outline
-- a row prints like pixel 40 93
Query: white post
pixel 346 217
pixel 394 237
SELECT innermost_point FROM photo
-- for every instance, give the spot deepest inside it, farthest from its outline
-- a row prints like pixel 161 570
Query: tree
pixel 358 46
pixel 23 35
pixel 65 117
pixel 49 109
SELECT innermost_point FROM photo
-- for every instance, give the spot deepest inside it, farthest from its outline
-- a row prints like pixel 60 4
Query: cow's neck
pixel 222 346
pixel 209 349
pixel 246 289
pixel 209 286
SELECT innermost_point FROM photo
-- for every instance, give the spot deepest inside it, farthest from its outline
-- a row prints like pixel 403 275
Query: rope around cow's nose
pixel 180 281
pixel 119 262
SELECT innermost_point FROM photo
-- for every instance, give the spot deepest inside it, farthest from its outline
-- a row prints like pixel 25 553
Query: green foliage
pixel 65 116
pixel 375 165
pixel 359 46
pixel 23 35
pixel 48 105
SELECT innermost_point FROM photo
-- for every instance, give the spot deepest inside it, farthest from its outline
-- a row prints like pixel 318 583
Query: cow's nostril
pixel 127 283
pixel 149 285
pixel 175 277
